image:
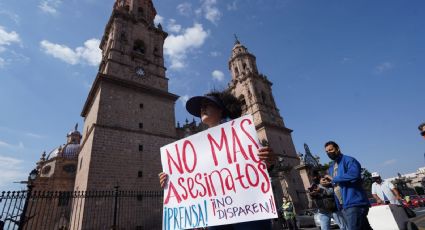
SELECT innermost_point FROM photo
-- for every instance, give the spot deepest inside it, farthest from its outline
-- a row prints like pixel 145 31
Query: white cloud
pixel 90 53
pixel 218 75
pixel 210 11
pixel 184 99
pixel 173 27
pixel 11 170
pixel 383 67
pixel 232 6
pixel 2 62
pixel 34 135
pixel 158 19
pixel 49 6
pixel 11 146
pixel 176 47
pixel 7 38
pixel 185 8
pixel 389 162
pixel 11 15
pixel 215 53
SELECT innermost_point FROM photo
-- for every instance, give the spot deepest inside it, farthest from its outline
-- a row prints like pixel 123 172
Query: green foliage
pixel 367 180
pixel 419 190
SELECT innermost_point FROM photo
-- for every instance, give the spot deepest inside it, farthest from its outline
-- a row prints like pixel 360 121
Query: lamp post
pixel 23 218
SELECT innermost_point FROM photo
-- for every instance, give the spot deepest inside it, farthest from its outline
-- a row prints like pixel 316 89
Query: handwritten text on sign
pixel 216 178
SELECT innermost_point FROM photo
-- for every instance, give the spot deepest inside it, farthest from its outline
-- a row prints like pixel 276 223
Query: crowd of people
pixel 338 195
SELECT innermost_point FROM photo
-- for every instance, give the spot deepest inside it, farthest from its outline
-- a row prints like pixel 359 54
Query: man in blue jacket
pixel 350 197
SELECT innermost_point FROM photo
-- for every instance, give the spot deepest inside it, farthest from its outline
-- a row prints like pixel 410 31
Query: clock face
pixel 140 71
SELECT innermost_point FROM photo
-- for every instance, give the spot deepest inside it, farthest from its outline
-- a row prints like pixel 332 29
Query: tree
pixel 419 190
pixel 367 181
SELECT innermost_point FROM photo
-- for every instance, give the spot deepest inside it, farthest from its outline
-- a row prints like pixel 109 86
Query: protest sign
pixel 216 178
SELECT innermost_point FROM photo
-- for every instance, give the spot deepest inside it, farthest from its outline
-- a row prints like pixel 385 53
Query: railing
pixel 140 210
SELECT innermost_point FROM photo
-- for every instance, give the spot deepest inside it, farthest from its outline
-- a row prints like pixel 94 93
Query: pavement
pixel 419 220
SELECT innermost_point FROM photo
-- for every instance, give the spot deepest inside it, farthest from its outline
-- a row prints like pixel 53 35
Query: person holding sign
pixel 214 109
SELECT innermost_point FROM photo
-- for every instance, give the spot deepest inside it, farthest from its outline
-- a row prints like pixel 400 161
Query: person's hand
pixel 327 177
pixel 266 154
pixel 325 182
pixel 163 179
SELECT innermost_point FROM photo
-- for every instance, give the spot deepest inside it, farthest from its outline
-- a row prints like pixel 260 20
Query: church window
pixel 141 105
pixel 140 125
pixel 123 37
pixel 139 46
pixel 140 174
pixel 244 65
pixel 63 199
pixel 263 96
pixel 81 163
pixel 140 148
pixel 155 51
pixel 140 11
pixel 243 104
pixel 236 71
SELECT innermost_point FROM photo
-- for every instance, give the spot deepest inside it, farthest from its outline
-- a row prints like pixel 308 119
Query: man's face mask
pixel 332 152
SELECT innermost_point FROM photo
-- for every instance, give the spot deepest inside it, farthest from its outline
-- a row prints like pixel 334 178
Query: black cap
pixel 193 105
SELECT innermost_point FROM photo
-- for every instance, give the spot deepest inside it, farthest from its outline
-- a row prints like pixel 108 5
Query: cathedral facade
pixel 129 115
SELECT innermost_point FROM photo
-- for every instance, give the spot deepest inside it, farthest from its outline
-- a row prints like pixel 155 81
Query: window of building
pixel 140 148
pixel 140 11
pixel 244 107
pixel 81 163
pixel 140 173
pixel 236 71
pixel 139 46
pixel 140 125
pixel 63 199
pixel 141 105
pixel 263 97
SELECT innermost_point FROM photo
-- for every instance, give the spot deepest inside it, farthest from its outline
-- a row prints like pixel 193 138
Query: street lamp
pixel 23 219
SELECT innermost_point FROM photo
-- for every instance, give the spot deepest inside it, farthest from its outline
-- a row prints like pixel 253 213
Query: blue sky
pixel 350 71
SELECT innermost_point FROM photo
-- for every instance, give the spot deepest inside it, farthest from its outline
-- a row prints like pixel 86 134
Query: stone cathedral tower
pixel 129 113
pixel 254 91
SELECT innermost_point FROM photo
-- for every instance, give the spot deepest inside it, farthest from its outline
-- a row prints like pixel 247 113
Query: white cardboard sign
pixel 216 178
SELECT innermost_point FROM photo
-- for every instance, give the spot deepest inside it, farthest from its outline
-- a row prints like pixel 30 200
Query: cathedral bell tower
pixel 129 113
pixel 254 91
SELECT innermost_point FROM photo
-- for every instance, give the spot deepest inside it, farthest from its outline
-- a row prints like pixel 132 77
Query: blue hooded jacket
pixel 349 179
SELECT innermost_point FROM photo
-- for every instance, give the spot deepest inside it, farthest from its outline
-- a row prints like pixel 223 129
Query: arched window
pixel 244 66
pixel 139 46
pixel 244 107
pixel 263 96
pixel 236 71
pixel 140 11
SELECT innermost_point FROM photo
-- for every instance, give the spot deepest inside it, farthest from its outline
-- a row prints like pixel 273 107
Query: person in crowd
pixel 322 194
pixel 383 191
pixel 288 213
pixel 422 129
pixel 350 197
pixel 215 108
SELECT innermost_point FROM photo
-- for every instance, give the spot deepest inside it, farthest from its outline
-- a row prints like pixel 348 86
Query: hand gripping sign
pixel 216 178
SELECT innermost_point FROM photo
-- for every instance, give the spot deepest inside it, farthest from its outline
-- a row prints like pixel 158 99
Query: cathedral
pixel 129 115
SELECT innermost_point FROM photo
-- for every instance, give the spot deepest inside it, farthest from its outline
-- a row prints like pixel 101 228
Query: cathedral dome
pixel 70 150
pixel 54 153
